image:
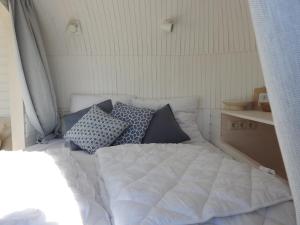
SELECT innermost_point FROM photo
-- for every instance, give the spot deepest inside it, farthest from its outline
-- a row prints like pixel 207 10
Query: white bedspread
pixel 57 186
pixel 39 188
pixel 184 184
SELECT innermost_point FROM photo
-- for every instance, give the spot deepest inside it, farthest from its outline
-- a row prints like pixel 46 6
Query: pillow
pixel 138 118
pixel 81 101
pixel 69 120
pixel 95 129
pixel 71 145
pixel 185 109
pixel 164 128
pixel 178 104
pixel 189 124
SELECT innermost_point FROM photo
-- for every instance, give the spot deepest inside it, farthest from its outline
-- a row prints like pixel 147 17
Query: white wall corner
pixel 15 94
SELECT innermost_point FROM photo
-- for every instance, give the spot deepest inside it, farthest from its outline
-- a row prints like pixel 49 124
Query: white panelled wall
pixel 211 53
pixel 4 69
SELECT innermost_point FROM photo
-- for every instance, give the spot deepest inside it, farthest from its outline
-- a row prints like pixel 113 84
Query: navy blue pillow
pixel 72 145
pixel 68 121
pixel 164 128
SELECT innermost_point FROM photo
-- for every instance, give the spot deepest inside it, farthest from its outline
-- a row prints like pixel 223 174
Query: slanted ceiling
pixel 211 52
pixel 131 27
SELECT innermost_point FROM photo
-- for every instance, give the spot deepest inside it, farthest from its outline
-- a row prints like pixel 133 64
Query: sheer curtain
pixel 38 93
pixel 277 29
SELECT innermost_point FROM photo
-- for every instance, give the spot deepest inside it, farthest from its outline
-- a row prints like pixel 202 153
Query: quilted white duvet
pixel 47 188
pixel 183 184
pixel 144 184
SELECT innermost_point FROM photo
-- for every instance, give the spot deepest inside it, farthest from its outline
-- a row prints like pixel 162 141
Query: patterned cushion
pixel 95 129
pixel 138 118
pixel 69 120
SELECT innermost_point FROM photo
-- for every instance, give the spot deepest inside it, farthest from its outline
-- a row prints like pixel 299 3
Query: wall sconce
pixel 74 27
pixel 167 25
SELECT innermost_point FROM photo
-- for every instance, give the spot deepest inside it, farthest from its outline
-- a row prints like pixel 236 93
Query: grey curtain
pixel 4 2
pixel 277 29
pixel 38 93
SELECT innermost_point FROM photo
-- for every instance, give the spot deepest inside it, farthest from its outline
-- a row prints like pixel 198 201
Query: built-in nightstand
pixel 251 134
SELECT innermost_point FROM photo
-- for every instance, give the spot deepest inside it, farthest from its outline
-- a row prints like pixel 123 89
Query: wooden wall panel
pixel 4 69
pixel 131 27
pixel 211 53
pixel 212 77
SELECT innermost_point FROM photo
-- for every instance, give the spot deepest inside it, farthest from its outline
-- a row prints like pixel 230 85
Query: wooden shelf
pixel 257 143
pixel 258 116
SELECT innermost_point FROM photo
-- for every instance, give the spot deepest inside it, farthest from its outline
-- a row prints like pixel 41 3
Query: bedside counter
pixel 258 116
pixel 252 135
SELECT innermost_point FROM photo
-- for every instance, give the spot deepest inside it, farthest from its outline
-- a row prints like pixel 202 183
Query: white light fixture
pixel 74 27
pixel 167 25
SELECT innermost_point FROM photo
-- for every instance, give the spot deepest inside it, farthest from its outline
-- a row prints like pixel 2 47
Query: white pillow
pixel 82 101
pixel 180 104
pixel 188 122
pixel 185 110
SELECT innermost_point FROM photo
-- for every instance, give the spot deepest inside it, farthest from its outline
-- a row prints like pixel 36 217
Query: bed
pixel 279 213
pixel 150 184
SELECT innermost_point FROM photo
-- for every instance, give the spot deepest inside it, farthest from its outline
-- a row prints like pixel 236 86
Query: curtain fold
pixel 4 2
pixel 277 29
pixel 38 92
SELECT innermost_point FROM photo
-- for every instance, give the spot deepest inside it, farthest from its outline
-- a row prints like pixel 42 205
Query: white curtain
pixel 277 29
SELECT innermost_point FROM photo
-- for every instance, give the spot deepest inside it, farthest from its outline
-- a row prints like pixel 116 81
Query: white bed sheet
pixel 88 164
pixel 282 214
pixel 86 161
pixel 47 186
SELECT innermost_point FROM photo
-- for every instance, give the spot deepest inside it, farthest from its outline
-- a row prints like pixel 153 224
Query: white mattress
pixel 282 214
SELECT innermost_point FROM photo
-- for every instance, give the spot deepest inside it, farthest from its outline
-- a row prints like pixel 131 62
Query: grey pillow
pixel 137 118
pixel 69 120
pixel 164 128
pixel 71 145
pixel 95 129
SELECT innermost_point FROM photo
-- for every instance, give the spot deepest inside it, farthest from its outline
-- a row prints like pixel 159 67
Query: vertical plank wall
pixel 4 70
pixel 211 52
